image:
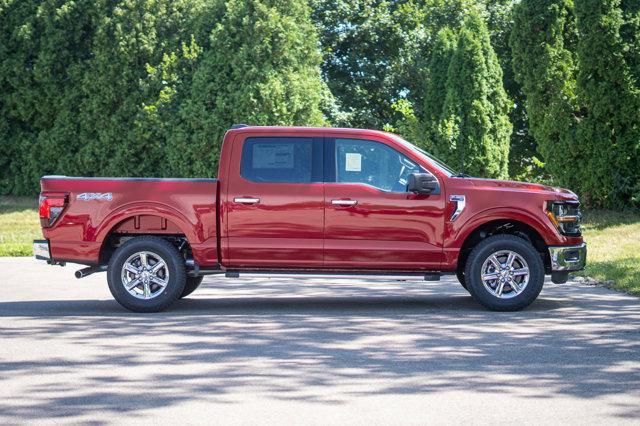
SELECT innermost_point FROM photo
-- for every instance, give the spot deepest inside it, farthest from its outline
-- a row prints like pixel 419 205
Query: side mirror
pixel 423 183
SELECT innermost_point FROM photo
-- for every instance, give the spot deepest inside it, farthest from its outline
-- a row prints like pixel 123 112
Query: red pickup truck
pixel 293 200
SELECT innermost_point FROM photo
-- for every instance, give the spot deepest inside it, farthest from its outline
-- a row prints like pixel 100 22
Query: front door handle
pixel 344 203
pixel 246 200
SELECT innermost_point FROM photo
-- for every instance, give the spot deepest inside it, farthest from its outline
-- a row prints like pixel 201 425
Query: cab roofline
pixel 294 129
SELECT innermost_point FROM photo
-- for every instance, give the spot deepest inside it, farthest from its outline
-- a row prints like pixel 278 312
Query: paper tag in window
pixel 353 162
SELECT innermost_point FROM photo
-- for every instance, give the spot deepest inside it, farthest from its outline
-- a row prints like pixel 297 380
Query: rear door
pixel 275 201
pixel 371 221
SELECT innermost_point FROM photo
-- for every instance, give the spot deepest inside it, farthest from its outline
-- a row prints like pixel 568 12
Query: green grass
pixel 19 225
pixel 613 248
pixel 613 240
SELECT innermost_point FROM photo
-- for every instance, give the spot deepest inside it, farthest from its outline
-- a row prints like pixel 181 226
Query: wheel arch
pixel 506 226
pixel 139 220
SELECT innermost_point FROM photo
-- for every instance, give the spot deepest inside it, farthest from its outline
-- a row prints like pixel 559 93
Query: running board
pixel 194 270
pixel 400 276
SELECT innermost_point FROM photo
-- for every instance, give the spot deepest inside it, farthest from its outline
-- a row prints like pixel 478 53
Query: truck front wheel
pixel 504 273
pixel 146 274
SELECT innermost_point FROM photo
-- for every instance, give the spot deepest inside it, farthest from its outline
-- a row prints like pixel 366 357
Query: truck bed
pixel 99 206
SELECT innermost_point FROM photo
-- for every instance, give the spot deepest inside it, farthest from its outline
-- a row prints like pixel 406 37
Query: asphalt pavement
pixel 313 351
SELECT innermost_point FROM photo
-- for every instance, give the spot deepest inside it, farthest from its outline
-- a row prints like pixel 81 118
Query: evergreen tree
pixel 436 88
pixel 630 34
pixel 610 130
pixel 130 36
pixel 72 100
pixel 542 43
pixel 524 161
pixel 42 51
pixel 261 68
pixel 475 128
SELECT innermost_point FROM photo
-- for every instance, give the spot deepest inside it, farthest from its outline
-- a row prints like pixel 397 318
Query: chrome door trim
pixel 246 200
pixel 344 203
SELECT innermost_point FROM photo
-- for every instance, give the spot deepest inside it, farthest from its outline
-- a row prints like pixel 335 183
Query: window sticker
pixel 273 156
pixel 353 162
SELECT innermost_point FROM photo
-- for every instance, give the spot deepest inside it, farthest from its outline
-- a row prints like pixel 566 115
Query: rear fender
pixel 188 227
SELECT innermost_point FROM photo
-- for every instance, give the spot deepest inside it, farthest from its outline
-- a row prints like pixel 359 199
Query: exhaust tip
pixel 85 272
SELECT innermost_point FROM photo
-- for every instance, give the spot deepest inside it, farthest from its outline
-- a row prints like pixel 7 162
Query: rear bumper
pixel 568 258
pixel 41 250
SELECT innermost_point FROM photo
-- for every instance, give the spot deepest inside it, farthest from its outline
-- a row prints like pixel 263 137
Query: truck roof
pixel 240 128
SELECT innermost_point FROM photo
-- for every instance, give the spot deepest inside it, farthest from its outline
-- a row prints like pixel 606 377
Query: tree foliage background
pixel 544 90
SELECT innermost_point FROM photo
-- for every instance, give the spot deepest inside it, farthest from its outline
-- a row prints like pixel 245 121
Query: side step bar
pixel 379 276
pixel 193 270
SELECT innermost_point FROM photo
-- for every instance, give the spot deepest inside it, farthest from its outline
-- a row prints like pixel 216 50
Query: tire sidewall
pixel 461 279
pixel 191 285
pixel 483 251
pixel 175 265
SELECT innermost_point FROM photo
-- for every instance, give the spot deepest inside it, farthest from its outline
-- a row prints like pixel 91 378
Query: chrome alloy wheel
pixel 145 275
pixel 505 274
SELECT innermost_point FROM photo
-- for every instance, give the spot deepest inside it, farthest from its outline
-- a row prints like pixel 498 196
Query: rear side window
pixel 278 159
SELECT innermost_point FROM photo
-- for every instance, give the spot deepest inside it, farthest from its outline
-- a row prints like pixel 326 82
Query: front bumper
pixel 568 258
pixel 41 250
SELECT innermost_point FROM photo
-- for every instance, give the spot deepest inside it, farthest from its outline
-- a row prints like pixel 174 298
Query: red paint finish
pixel 387 230
pixel 83 226
pixel 383 230
pixel 283 229
pixel 488 200
pixel 295 225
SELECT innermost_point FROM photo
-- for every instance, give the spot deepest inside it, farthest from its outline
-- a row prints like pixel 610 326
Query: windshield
pixel 433 160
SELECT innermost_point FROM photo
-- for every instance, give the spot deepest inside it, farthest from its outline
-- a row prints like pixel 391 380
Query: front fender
pixel 458 231
pixel 542 226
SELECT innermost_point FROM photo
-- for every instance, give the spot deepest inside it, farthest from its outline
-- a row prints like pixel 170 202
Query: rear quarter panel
pixel 188 205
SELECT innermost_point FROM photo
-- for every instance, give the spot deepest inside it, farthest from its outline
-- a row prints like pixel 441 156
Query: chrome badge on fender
pixel 88 196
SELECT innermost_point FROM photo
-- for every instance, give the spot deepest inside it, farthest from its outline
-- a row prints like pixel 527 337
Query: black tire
pixel 174 263
pixel 461 279
pixel 491 245
pixel 191 285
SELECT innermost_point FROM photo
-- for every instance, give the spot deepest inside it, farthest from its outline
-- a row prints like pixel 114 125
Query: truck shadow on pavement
pixel 364 341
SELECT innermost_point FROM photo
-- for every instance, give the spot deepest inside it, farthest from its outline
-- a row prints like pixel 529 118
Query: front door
pixel 371 221
pixel 275 202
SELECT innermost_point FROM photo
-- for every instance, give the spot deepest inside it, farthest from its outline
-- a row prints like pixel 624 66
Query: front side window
pixel 277 159
pixel 373 163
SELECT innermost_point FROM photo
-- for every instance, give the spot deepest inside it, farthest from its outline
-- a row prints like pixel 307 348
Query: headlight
pixel 566 216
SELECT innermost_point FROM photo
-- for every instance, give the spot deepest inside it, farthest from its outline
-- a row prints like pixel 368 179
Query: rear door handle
pixel 344 203
pixel 246 200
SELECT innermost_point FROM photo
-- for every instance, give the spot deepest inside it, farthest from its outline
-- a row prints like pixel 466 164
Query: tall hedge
pixel 436 88
pixel 146 88
pixel 43 48
pixel 545 65
pixel 610 130
pixel 578 69
pixel 474 126
pixel 262 68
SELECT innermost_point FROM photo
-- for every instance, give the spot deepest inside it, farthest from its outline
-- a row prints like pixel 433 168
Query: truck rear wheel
pixel 461 279
pixel 504 273
pixel 146 274
pixel 191 285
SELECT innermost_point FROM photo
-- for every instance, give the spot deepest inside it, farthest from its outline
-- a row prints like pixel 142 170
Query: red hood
pixel 521 186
